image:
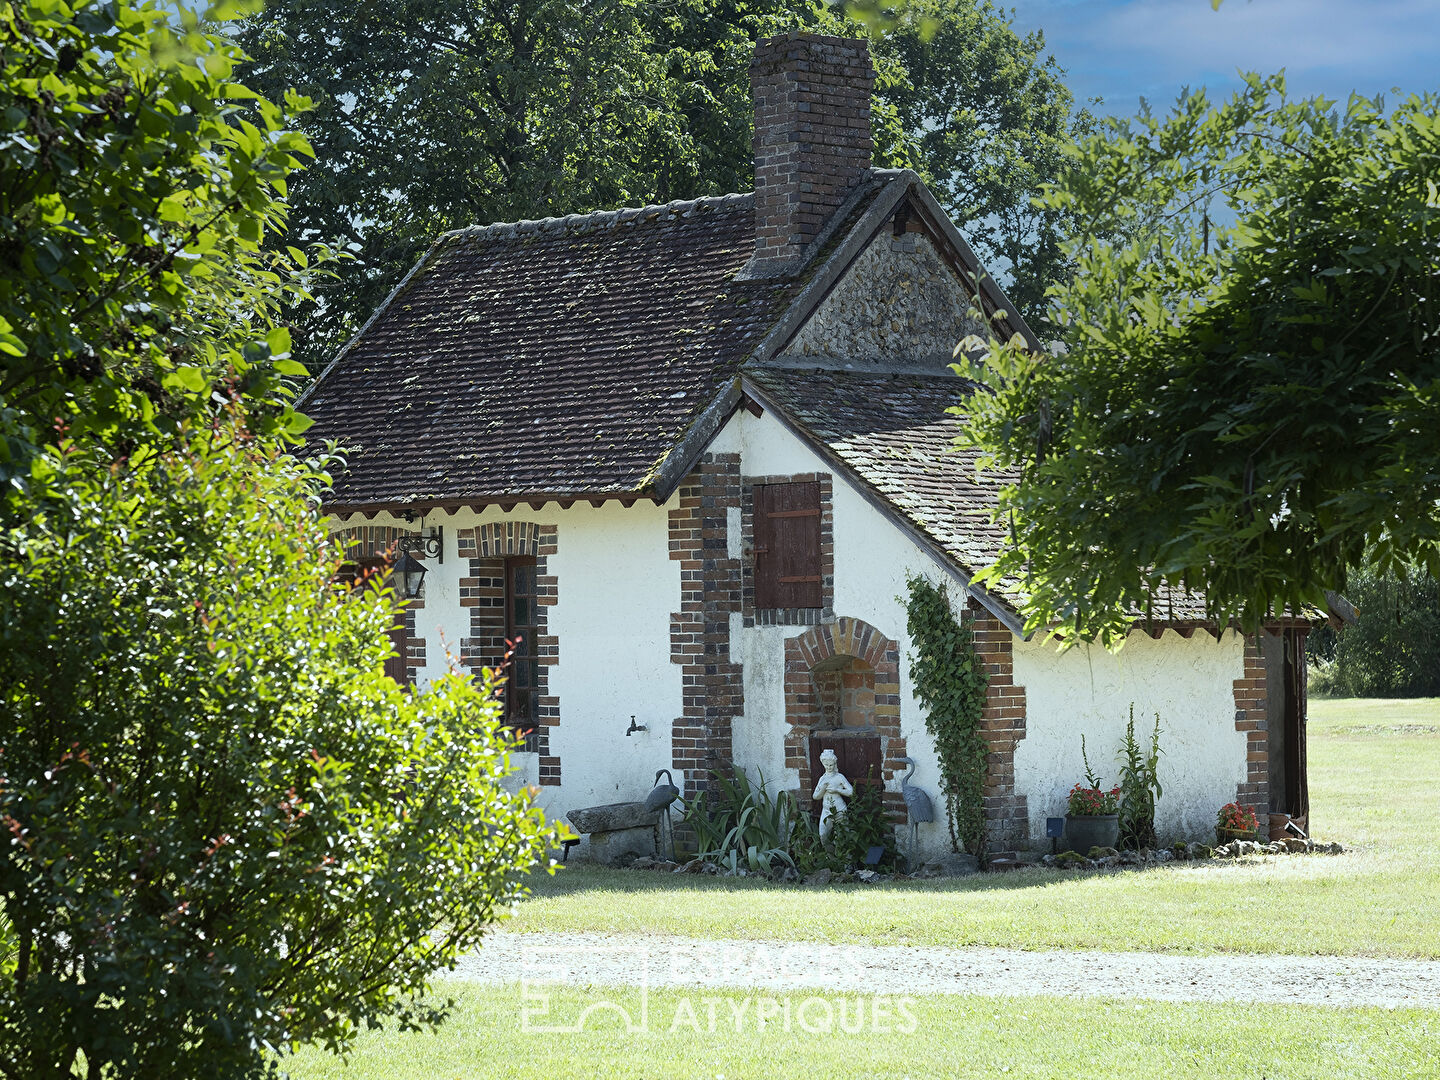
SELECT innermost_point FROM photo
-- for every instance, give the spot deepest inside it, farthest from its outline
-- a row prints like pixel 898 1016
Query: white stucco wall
pixel 1089 691
pixel 872 558
pixel 616 589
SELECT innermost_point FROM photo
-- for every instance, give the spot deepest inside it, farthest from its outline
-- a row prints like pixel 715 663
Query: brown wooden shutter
pixel 787 546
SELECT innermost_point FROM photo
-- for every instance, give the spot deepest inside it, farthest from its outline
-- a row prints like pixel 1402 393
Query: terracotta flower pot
pixel 1086 831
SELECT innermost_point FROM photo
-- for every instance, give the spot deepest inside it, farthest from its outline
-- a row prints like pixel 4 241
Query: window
pixel 787 546
pixel 522 687
pixel 356 575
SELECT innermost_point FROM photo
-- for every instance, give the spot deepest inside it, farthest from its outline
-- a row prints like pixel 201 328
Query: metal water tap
pixel 634 727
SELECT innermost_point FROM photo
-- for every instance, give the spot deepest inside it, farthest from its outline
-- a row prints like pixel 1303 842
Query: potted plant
pixel 1093 819
pixel 1093 814
pixel 1235 822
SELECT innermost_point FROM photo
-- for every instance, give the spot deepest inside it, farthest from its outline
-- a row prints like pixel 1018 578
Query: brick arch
pixel 843 678
pixel 498 539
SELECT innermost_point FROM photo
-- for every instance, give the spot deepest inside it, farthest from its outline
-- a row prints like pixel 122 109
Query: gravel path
pixel 657 960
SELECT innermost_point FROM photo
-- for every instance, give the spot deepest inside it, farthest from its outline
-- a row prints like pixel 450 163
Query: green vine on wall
pixel 950 683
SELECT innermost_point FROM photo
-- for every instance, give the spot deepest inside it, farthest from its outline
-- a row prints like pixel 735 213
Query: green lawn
pixel 1374 786
pixel 942 1037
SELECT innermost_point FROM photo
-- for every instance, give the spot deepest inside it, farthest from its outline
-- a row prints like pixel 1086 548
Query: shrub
pixel 224 829
pixel 1139 787
pixel 741 824
pixel 863 825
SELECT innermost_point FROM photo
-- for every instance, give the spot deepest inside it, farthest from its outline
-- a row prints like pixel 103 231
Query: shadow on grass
pixel 577 878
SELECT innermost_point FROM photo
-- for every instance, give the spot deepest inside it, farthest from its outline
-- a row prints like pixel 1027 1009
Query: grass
pixel 950 1037
pixel 1374 786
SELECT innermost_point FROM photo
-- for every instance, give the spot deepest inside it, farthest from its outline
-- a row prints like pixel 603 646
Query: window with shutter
pixel 522 687
pixel 787 546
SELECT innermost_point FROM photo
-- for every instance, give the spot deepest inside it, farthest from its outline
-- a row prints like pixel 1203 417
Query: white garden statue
pixel 831 792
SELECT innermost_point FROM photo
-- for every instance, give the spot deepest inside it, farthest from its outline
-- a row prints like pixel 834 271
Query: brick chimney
pixel 812 140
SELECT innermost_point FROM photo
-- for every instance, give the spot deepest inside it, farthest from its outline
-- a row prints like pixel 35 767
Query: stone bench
pixel 617 829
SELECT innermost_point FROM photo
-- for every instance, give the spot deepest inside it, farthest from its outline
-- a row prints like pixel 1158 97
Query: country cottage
pixel 687 455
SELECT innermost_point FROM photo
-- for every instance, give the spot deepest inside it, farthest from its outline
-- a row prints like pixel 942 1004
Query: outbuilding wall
pixel 615 589
pixel 648 616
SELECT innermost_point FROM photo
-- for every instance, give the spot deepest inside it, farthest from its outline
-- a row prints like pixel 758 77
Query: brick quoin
pixel 1250 717
pixel 710 589
pixel 812 139
pixel 1007 814
pixel 383 542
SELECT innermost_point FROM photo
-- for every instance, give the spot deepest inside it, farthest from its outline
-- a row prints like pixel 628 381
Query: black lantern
pixel 409 574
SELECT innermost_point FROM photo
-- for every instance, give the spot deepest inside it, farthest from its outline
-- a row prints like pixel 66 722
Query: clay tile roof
pixel 562 356
pixel 892 431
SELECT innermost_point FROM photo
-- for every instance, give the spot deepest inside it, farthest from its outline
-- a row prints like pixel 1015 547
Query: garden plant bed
pixel 1375 792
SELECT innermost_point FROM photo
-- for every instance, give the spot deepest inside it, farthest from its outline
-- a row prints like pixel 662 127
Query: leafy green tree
pixel 1394 648
pixel 987 121
pixel 1242 410
pixel 134 199
pixel 436 114
pixel 222 830
pixel 225 829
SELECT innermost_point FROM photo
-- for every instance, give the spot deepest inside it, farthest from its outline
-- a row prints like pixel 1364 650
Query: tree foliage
pixel 222 830
pixel 437 114
pixel 1242 410
pixel 1394 648
pixel 138 182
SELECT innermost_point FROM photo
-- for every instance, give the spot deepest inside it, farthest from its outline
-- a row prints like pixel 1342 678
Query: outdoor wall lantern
pixel 409 571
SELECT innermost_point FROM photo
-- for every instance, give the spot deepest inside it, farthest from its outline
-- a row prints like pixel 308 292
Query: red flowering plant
pixel 1235 818
pixel 1088 801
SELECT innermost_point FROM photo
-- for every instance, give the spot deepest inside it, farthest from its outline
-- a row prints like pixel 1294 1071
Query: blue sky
pixel 1122 50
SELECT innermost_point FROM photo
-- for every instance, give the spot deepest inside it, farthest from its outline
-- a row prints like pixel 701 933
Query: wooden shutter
pixel 787 546
pixel 355 575
pixel 398 665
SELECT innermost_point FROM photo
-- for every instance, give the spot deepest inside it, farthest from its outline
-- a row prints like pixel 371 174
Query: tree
pixel 437 114
pixel 222 830
pixel 1242 410
pixel 1394 648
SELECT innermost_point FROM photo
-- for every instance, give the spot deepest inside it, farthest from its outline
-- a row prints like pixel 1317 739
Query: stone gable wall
pixel 898 304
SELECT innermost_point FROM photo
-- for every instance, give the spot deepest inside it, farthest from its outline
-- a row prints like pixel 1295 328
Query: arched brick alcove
pixel 842 688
